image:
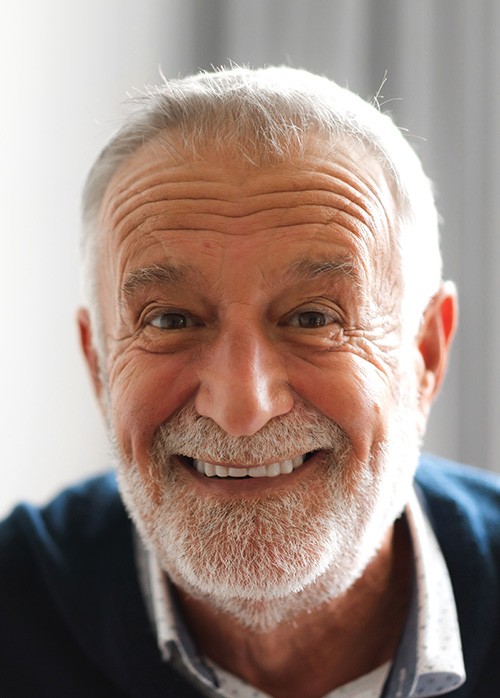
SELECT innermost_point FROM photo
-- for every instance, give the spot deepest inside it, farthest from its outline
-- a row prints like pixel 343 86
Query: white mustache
pixel 298 432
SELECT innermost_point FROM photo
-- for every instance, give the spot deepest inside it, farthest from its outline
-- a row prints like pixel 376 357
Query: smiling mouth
pixel 219 470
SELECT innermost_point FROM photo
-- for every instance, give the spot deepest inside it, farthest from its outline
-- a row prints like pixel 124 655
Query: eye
pixel 172 321
pixel 310 319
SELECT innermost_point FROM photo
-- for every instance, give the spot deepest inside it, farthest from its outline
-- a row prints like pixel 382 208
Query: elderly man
pixel 267 329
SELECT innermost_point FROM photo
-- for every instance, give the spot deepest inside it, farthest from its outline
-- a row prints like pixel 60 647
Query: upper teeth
pixel 271 470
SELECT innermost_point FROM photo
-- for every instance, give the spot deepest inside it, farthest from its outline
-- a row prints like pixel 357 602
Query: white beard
pixel 265 560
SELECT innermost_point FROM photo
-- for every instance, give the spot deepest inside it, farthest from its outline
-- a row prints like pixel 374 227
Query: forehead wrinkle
pixel 154 185
pixel 177 192
pixel 147 219
pixel 331 196
pixel 131 199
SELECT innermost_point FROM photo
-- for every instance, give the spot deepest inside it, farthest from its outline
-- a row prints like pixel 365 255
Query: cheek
pixel 354 394
pixel 144 392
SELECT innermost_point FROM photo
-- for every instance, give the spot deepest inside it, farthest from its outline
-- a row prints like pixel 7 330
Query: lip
pixel 244 486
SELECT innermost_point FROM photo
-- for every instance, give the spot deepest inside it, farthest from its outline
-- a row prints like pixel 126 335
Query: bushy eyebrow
pixel 308 269
pixel 158 274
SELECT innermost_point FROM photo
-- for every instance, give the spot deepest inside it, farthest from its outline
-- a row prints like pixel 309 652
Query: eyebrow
pixel 157 274
pixel 307 269
pixel 302 270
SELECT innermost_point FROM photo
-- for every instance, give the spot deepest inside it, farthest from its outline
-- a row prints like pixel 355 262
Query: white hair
pixel 268 115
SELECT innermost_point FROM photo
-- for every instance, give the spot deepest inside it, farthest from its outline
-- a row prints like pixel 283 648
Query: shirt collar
pixel 428 661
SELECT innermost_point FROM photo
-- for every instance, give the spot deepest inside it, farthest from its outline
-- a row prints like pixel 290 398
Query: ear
pixel 434 343
pixel 89 351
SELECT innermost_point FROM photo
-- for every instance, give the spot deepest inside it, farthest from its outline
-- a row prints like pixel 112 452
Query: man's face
pixel 261 395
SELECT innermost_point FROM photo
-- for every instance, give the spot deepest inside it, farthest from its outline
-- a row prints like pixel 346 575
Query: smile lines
pixel 272 470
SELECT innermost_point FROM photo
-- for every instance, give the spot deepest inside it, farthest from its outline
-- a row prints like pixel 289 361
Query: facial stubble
pixel 268 558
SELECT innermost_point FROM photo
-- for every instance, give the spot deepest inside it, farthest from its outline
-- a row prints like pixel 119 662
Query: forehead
pixel 319 205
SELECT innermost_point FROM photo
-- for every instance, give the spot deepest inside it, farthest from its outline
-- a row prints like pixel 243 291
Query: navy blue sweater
pixel 73 622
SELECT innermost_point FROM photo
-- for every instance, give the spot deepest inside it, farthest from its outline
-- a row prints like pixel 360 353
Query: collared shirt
pixel 428 661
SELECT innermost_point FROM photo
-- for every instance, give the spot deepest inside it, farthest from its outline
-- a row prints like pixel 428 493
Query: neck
pixel 323 648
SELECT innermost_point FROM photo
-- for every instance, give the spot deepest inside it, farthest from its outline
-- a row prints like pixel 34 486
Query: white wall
pixel 66 66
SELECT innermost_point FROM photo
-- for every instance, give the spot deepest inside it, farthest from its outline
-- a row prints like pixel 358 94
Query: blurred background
pixel 66 67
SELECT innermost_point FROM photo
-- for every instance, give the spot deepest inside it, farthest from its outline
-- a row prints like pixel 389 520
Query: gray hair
pixel 267 115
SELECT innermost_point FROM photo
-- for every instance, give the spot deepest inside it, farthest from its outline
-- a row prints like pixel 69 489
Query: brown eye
pixel 311 319
pixel 172 321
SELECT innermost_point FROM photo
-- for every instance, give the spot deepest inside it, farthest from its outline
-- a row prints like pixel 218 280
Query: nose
pixel 243 382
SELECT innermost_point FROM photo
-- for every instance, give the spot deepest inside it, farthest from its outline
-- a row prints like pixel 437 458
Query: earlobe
pixel 434 342
pixel 89 350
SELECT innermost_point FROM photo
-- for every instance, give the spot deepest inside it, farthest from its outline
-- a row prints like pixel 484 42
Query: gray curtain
pixel 441 59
